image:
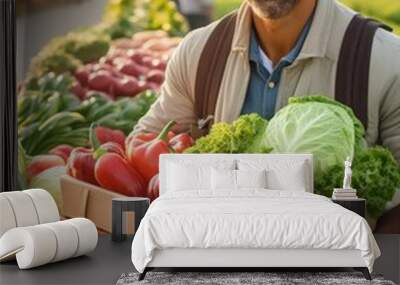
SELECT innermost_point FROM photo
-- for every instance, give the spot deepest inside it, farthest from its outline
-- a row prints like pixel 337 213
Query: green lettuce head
pixel 318 125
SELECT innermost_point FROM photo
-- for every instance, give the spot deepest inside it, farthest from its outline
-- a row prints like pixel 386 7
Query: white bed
pixel 248 227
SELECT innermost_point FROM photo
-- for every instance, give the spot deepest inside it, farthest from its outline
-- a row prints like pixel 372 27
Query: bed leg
pixel 142 275
pixel 364 271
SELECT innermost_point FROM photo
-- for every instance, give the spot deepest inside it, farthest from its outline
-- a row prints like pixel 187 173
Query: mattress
pixel 250 219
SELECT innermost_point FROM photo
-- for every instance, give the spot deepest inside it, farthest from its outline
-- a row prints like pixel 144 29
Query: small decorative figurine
pixel 347 174
pixel 347 192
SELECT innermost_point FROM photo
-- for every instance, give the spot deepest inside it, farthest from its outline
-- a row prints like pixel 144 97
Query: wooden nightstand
pixel 357 205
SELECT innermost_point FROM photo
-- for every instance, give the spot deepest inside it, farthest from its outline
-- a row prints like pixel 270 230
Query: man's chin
pixel 273 9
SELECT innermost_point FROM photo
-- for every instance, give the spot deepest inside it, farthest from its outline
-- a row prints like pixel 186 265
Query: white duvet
pixel 250 219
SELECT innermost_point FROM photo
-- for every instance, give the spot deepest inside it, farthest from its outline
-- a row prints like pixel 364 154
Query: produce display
pixel 126 166
pixel 321 126
pixel 86 90
pixel 130 67
pixel 48 118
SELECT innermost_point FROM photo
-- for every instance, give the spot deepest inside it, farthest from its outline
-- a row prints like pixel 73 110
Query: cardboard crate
pixel 81 199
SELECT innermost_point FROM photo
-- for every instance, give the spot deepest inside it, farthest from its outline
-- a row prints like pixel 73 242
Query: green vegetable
pixel 66 53
pixel 53 116
pixel 51 82
pixel 125 17
pixel 58 129
pixel 49 180
pixel 246 134
pixel 57 62
pixel 122 28
pixel 115 10
pixel 376 176
pixel 88 50
pixel 159 15
pixel 316 125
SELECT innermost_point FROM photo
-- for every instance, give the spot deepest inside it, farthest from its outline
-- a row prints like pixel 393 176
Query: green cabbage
pixel 317 125
pixel 331 132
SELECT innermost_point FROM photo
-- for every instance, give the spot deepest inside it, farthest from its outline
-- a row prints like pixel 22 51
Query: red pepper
pixel 81 164
pixel 153 188
pixel 143 149
pixel 109 147
pixel 113 172
pixel 141 138
pixel 138 139
pixel 40 163
pixel 82 161
pixel 62 150
pixel 181 142
pixel 105 135
pixel 144 155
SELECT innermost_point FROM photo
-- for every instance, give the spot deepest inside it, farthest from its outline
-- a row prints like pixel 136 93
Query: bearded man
pixel 254 59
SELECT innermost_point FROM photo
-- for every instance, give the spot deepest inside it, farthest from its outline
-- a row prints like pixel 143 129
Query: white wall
pixel 35 27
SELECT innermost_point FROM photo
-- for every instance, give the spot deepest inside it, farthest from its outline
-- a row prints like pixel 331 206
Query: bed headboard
pixel 209 159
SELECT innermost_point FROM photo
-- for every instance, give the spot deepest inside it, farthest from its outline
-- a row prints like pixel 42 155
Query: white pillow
pixel 223 179
pixel 251 178
pixel 226 179
pixel 281 174
pixel 183 175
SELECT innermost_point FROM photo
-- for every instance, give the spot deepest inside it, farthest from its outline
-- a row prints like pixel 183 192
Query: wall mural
pixel 86 90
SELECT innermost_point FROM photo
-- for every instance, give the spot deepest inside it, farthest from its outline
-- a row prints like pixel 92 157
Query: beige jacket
pixel 313 72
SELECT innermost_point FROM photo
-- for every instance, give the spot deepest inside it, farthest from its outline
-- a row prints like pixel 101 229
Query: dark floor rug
pixel 243 278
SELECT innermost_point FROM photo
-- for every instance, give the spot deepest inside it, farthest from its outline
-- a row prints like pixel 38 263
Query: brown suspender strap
pixel 210 71
pixel 352 76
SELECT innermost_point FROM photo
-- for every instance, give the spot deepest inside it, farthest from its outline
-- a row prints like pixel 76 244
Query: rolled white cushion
pixel 41 244
pixel 7 218
pixel 26 208
pixel 67 240
pixel 45 205
pixel 23 208
pixel 33 246
pixel 87 235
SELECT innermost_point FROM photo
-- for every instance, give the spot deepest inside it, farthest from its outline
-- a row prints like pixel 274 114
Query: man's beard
pixel 273 9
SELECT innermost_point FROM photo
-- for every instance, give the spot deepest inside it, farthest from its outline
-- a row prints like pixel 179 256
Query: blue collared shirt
pixel 263 86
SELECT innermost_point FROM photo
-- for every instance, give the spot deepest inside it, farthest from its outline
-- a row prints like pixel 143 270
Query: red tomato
pixel 78 90
pixel 156 76
pixel 101 81
pixel 127 86
pixel 82 75
pixel 133 69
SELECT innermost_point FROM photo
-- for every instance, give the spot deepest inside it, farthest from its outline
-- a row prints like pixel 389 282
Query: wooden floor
pixel 110 260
